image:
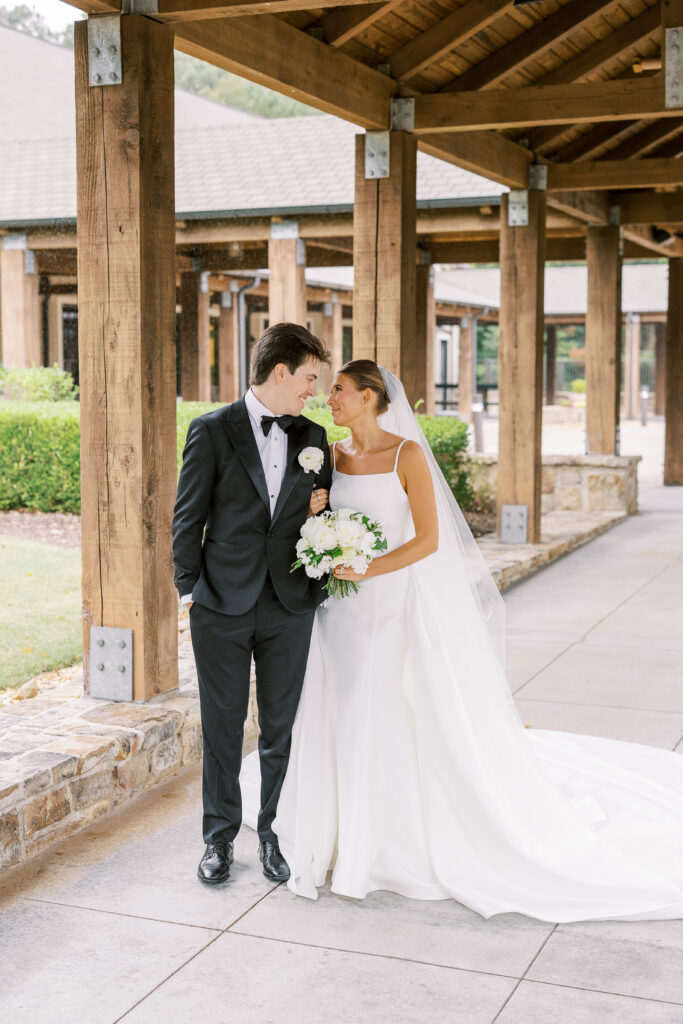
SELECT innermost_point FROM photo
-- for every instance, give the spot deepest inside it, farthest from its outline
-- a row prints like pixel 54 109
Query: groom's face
pixel 296 388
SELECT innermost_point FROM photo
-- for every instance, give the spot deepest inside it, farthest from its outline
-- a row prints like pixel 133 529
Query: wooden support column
pixel 660 369
pixel 421 353
pixel 195 337
pixel 520 381
pixel 332 336
pixel 287 275
pixel 550 363
pixel 673 442
pixel 632 373
pixel 603 339
pixel 20 312
pixel 468 326
pixel 384 243
pixel 126 299
pixel 55 330
pixel 229 348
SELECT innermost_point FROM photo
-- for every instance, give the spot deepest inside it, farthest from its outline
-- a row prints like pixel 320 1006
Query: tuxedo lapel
pixel 296 440
pixel 241 434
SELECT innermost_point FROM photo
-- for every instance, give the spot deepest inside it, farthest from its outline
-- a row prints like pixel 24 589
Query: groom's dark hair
pixel 290 344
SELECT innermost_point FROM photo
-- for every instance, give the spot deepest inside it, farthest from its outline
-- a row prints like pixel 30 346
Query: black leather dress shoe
pixel 214 867
pixel 275 866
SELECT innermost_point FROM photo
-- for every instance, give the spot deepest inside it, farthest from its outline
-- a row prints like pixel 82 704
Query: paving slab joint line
pixel 120 913
pixel 526 971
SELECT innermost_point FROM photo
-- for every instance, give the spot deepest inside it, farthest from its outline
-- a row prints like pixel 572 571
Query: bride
pixel 410 769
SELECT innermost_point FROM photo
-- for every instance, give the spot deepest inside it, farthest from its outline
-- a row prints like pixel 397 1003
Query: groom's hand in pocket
pixel 318 501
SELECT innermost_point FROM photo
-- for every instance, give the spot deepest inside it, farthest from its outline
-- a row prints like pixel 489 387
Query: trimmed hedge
pixel 40 451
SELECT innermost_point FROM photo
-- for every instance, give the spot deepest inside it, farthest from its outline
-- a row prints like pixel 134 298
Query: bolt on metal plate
pixel 111 663
pixel 518 208
pixel 673 68
pixel 513 524
pixel 377 154
pixel 104 49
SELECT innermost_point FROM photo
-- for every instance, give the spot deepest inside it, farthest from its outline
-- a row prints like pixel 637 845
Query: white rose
pixel 367 543
pixel 360 564
pixel 311 460
pixel 343 514
pixel 350 533
pixel 323 537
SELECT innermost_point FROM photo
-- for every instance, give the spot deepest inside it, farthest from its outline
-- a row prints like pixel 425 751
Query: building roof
pixel 644 287
pixel 38 98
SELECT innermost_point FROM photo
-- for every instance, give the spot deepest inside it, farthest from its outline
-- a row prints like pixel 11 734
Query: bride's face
pixel 346 403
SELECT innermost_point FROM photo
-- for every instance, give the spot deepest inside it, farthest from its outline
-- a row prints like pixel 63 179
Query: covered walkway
pixel 113 925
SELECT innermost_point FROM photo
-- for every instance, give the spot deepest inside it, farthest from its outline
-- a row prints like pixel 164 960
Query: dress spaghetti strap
pixel 334 455
pixel 398 452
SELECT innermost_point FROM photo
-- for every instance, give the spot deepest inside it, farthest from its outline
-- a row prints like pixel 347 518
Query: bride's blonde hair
pixel 366 374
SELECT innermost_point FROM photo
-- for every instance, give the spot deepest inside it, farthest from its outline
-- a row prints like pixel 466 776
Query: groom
pixel 241 480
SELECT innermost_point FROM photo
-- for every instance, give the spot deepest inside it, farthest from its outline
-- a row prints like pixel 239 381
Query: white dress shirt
pixel 272 449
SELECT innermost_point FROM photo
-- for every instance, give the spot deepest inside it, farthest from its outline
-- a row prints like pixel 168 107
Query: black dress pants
pixel 223 647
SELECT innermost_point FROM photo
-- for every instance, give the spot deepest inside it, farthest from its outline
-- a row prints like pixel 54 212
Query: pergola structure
pixel 542 97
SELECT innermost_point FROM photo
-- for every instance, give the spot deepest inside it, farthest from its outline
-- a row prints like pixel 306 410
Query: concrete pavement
pixel 112 924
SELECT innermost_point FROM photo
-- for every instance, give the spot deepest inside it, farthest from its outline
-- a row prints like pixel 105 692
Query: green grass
pixel 40 617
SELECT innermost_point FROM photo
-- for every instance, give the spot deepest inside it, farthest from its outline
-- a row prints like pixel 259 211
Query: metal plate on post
pixel 377 154
pixel 513 524
pixel 104 49
pixel 403 115
pixel 284 228
pixel 111 663
pixel 673 68
pixel 518 208
pixel 538 177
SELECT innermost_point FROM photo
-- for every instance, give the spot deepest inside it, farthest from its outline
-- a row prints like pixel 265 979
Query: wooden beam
pixel 649 207
pixel 287 281
pixel 466 330
pixel 529 46
pixel 600 174
pixel 673 441
pixel 127 367
pixel 343 24
pixel 175 11
pixel 592 141
pixel 443 37
pixel 660 368
pixel 269 51
pixel 581 103
pixel 550 362
pixel 195 367
pixel 671 149
pixel 384 241
pixel 522 258
pixel 654 134
pixel 642 234
pixel 589 207
pixel 603 339
pixel 228 348
pixel 486 153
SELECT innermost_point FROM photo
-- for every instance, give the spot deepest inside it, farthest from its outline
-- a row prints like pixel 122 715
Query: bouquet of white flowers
pixel 343 537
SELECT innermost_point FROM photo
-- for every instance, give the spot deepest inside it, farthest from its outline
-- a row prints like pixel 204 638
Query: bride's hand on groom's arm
pixel 318 502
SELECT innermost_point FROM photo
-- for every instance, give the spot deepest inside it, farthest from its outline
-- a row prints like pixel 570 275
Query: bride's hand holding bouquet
pixel 342 543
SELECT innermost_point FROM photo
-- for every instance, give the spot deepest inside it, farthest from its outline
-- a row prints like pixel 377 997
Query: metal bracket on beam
pixel 614 215
pixel 538 177
pixel 377 155
pixel 111 663
pixel 300 252
pixel 13 241
pixel 518 208
pixel 673 68
pixel 204 282
pixel 226 300
pixel 140 6
pixel 403 115
pixel 513 524
pixel 29 262
pixel 104 49
pixel 284 228
pixel 327 309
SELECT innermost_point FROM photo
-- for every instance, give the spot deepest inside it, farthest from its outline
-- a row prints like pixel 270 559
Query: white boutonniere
pixel 311 460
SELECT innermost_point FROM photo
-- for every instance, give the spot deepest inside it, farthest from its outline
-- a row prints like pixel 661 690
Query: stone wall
pixel 587 483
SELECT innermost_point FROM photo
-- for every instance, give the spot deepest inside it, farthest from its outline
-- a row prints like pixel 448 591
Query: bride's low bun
pixel 366 374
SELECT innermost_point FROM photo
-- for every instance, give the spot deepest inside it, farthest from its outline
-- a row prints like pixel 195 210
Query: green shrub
pixel 38 384
pixel 579 385
pixel 40 451
pixel 40 456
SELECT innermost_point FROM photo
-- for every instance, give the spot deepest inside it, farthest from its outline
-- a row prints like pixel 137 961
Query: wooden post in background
pixel 468 326
pixel 229 348
pixel 673 439
pixel 55 330
pixel 632 367
pixel 332 336
pixel 550 363
pixel 522 265
pixel 287 274
pixel 660 369
pixel 603 339
pixel 126 299
pixel 20 315
pixel 384 244
pixel 419 357
pixel 195 337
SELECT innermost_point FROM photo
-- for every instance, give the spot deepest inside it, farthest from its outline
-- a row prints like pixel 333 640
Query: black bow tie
pixel 283 422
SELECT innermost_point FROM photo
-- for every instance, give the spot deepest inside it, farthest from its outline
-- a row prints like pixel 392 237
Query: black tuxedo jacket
pixel 222 487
